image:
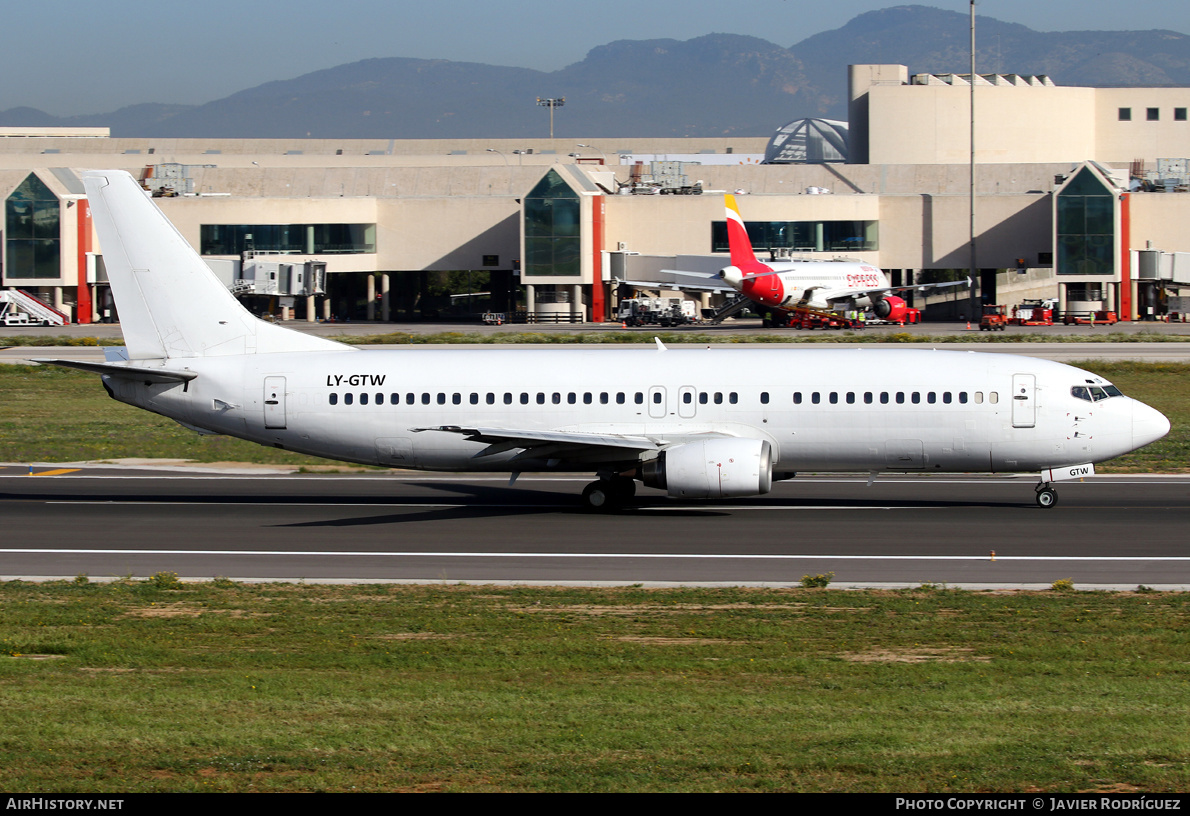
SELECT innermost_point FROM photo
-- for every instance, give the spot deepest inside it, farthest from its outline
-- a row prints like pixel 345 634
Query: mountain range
pixel 715 85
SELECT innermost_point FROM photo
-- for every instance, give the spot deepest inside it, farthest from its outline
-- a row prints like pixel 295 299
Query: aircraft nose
pixel 1148 425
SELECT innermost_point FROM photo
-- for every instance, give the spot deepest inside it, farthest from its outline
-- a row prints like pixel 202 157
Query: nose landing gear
pixel 1046 495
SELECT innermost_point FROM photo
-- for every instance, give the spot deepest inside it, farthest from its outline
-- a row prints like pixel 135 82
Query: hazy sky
pixel 70 57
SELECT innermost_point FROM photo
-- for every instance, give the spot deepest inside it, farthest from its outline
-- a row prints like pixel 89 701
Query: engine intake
pixel 712 469
pixel 891 308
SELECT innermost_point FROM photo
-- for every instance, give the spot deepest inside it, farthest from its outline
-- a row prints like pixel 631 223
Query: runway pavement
pixel 1106 532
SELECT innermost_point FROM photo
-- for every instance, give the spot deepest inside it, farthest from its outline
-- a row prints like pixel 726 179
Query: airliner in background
pixel 816 287
pixel 696 423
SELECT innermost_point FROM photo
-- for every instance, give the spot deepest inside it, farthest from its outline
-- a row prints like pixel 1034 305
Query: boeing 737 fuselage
pixel 696 423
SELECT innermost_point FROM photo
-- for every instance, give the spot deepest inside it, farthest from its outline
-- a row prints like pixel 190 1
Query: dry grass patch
pixel 946 654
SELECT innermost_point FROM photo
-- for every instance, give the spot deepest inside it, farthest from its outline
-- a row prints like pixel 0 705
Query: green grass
pixel 50 414
pixel 611 337
pixel 132 686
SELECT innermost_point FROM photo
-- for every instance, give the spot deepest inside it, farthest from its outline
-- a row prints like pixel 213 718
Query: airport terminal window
pixel 1086 226
pixel 1179 114
pixel 1125 114
pixel 287 239
pixel 805 236
pixel 552 234
pixel 32 240
pixel 1153 114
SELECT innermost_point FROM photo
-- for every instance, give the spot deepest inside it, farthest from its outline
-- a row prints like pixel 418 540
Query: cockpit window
pixel 1095 393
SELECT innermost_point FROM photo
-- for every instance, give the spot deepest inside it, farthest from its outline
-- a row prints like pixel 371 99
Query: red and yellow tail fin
pixel 742 255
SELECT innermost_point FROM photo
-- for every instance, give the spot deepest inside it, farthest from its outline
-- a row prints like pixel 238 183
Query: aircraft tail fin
pixel 170 303
pixel 740 245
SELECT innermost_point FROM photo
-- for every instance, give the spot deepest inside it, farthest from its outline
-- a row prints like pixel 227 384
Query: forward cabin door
pixel 274 402
pixel 1024 400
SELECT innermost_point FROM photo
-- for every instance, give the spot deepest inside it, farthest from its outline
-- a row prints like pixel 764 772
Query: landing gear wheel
pixel 608 494
pixel 1047 497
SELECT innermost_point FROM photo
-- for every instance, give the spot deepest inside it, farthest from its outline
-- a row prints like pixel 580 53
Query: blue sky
pixel 73 57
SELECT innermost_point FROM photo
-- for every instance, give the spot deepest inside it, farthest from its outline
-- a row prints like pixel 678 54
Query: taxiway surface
pixel 1107 531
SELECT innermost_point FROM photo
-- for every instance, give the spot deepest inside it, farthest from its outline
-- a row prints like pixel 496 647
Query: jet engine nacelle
pixel 712 469
pixel 891 308
pixel 733 276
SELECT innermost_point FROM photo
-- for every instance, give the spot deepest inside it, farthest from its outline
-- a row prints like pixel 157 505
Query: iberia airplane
pixel 811 286
pixel 695 423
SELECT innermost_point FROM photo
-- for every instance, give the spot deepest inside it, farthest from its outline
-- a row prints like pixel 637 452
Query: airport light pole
pixel 973 299
pixel 551 104
pixel 593 147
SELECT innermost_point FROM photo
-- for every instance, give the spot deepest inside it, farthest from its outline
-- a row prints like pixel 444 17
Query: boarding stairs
pixel 20 301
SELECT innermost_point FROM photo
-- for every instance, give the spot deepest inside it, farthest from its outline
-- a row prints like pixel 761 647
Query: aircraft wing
pixel 569 445
pixel 919 288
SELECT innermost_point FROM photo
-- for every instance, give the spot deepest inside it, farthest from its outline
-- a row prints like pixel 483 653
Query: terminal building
pixel 1080 195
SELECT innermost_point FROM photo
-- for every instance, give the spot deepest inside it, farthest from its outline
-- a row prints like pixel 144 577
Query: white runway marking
pixel 690 556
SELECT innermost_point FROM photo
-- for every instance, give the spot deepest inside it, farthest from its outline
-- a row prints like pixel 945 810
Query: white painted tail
pixel 170 303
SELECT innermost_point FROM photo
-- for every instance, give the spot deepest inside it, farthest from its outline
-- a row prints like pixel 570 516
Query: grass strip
pixel 612 337
pixel 159 685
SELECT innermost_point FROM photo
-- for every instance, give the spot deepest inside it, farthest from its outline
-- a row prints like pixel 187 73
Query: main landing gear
pixel 1046 495
pixel 608 494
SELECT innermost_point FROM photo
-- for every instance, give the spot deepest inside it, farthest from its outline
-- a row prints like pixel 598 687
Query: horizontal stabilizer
pixel 128 372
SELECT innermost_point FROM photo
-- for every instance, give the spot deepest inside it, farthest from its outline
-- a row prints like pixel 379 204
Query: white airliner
pixel 811 286
pixel 703 423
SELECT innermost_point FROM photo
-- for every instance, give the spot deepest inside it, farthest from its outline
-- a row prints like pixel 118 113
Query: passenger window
pixel 979 398
pixel 395 399
pixel 639 398
pixel 425 398
pixel 363 399
pixel 733 398
pixel 900 398
pixel 507 398
pixel 688 398
pixel 491 399
pixel 456 399
pixel 993 397
pixel 656 397
pixel 556 398
pixel 586 398
pixel 931 398
pixel 815 398
pixel 441 398
pixel 797 397
pixel 764 397
pixel 603 398
pixel 524 398
pixel 946 397
pixel 347 398
pixel 850 397
pixel 884 398
pixel 963 397
pixel 915 398
pixel 718 397
pixel 619 398
pixel 334 398
pixel 702 397
pixel 867 398
pixel 834 398
pixel 379 399
pixel 474 398
pixel 540 398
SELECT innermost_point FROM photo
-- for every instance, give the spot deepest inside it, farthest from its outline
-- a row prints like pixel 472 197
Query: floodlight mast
pixel 551 104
